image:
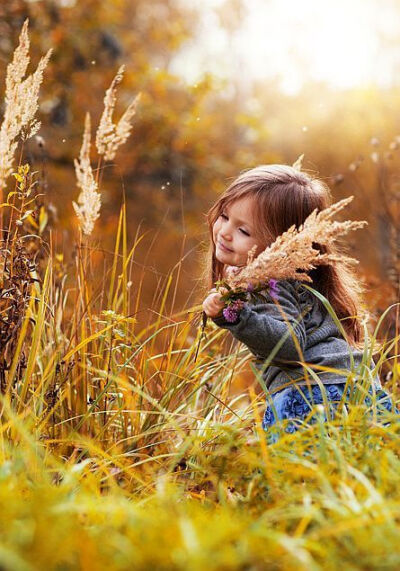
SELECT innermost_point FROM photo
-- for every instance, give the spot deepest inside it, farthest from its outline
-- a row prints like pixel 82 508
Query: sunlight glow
pixel 339 42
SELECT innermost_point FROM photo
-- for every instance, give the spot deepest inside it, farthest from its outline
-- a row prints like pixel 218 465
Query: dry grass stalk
pixel 393 272
pixel 21 103
pixel 110 136
pixel 89 201
pixel 298 162
pixel 293 250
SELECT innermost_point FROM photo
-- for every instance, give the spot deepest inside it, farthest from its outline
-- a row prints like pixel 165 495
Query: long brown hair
pixel 286 196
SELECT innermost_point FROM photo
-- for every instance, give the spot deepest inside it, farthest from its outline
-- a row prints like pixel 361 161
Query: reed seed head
pixel 21 103
pixel 110 136
pixel 87 207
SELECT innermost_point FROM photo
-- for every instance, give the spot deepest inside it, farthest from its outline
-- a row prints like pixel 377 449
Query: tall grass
pixel 119 450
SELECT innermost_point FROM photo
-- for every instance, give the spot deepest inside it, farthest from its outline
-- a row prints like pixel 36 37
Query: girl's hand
pixel 212 305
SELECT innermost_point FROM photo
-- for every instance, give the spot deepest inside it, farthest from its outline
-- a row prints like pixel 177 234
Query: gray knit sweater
pixel 261 326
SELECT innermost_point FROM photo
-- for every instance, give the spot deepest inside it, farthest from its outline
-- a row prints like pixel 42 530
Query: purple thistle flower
pixel 250 287
pixel 273 289
pixel 231 313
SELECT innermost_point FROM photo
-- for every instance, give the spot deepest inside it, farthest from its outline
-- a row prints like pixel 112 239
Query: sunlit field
pixel 129 437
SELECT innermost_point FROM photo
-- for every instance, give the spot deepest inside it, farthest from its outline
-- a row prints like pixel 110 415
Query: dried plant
pixel 110 136
pixel 18 271
pixel 21 103
pixel 393 271
pixel 89 201
pixel 293 250
pixel 298 162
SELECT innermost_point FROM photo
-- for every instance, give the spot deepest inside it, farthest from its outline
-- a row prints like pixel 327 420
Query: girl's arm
pixel 262 326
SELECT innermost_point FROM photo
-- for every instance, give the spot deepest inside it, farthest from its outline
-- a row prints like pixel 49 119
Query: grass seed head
pixel 21 103
pixel 110 136
pixel 87 208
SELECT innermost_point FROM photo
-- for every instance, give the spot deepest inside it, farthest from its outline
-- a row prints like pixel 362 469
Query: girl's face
pixel 234 233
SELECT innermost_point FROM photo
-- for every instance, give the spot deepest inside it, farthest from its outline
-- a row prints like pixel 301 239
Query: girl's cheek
pixel 215 231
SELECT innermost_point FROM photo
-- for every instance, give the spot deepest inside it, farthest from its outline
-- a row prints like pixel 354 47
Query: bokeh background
pixel 226 85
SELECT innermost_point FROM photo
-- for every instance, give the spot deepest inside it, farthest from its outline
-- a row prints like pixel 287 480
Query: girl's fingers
pixel 212 305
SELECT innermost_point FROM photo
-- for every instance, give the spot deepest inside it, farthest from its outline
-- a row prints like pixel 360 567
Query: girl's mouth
pixel 224 248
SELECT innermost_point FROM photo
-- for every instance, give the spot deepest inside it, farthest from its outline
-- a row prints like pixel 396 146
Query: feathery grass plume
pixel 293 250
pixel 89 200
pixel 110 136
pixel 21 103
pixel 298 162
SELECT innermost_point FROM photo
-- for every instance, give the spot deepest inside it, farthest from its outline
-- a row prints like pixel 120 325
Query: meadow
pixel 118 448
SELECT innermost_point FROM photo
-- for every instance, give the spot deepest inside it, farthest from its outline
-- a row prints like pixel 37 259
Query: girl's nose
pixel 226 231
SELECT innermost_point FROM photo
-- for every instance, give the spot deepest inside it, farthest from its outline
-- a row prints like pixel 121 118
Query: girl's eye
pixel 225 217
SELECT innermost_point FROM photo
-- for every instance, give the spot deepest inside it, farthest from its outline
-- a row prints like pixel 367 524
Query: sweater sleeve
pixel 261 326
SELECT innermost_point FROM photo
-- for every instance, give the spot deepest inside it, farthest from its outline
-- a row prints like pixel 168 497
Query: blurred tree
pixel 185 135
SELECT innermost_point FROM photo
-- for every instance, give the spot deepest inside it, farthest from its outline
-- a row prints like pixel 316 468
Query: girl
pixel 255 209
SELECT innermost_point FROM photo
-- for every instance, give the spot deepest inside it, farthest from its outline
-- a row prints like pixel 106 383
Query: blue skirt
pixel 295 403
